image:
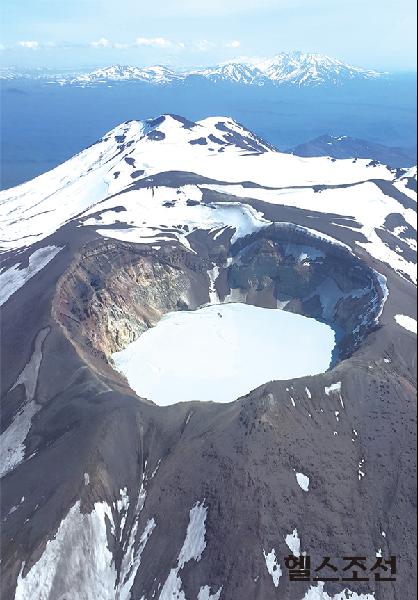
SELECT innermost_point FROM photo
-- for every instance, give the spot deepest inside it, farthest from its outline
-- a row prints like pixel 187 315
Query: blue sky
pixel 86 33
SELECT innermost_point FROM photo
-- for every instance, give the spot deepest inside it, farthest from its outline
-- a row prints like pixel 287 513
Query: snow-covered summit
pixel 301 68
pixel 289 68
pixel 147 180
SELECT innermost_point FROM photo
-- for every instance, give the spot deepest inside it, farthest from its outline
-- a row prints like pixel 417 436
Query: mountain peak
pixel 304 69
pixel 212 135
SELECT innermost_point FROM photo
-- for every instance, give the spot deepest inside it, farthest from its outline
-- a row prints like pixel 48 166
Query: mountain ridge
pixel 287 68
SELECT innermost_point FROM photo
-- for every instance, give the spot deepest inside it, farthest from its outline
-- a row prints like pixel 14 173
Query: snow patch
pixel 273 567
pixel 293 542
pixel 132 560
pixel 204 594
pixel 335 387
pixel 192 549
pixel 361 472
pixel 407 323
pixel 76 563
pixel 14 278
pixel 213 294
pixel 303 481
pixel 318 593
pixel 12 440
pixel 195 542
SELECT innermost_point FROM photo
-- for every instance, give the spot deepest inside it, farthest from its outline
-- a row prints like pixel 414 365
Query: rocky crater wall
pixel 114 291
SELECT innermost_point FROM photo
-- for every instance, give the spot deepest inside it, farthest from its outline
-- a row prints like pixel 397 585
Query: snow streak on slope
pixel 76 562
pixel 407 323
pixel 293 542
pixel 132 559
pixel 273 567
pixel 195 543
pixel 12 440
pixel 14 278
pixel 192 549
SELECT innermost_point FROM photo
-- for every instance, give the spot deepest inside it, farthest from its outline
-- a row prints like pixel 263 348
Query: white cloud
pixel 234 44
pixel 157 42
pixel 31 44
pixel 102 43
pixel 105 43
pixel 205 46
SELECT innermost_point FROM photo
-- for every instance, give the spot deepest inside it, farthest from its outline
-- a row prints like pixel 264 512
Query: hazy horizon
pixel 185 33
pixel 102 64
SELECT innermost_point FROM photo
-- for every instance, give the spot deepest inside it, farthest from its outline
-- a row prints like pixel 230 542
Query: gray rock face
pixel 107 496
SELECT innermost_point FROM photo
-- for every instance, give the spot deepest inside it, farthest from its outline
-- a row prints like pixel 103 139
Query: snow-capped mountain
pixel 300 69
pixel 218 149
pixel 293 69
pixel 156 75
pixel 106 495
pixel 233 72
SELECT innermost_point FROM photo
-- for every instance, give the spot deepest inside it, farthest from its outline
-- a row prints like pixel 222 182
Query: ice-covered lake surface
pixel 221 352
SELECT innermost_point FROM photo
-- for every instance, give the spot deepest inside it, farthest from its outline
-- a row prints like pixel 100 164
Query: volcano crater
pixel 115 291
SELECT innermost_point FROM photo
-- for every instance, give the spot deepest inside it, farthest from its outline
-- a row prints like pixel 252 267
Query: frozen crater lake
pixel 222 352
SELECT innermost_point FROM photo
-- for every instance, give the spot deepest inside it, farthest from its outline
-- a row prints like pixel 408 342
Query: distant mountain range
pixel 294 69
pixel 340 147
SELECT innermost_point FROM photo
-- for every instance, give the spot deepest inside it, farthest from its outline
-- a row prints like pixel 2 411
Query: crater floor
pixel 222 352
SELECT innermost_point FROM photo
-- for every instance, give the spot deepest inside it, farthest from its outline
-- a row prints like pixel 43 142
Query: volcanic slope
pixel 105 494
